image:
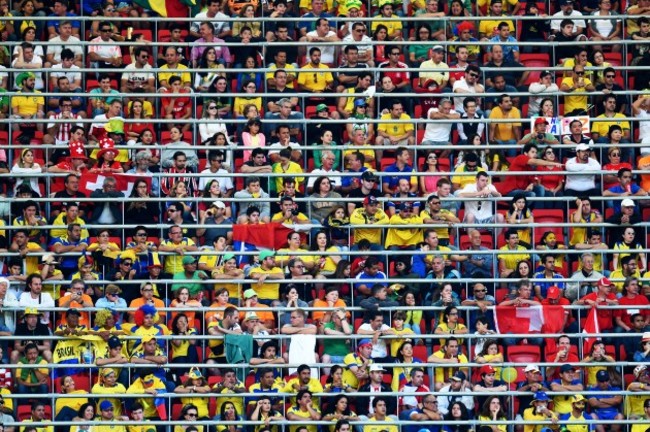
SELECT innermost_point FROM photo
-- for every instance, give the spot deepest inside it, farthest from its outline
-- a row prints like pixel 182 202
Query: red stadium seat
pixel 420 352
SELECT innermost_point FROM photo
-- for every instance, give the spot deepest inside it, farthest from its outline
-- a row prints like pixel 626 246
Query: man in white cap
pixel 533 383
pixel 582 184
pixel 629 215
pixel 375 385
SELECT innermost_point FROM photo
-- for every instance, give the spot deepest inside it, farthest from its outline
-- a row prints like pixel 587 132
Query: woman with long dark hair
pixel 185 350
pixel 457 413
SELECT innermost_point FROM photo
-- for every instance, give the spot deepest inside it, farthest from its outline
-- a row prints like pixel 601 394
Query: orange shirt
pixel 157 303
pixel 84 319
pixel 217 315
pixel 318 303
pixel 262 315
pixel 645 178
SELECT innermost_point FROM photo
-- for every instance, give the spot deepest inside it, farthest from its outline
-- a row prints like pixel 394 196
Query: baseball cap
pixel 545 74
pixel 566 368
pixel 114 342
pixel 582 147
pixel 148 338
pixel 627 203
pixel 73 311
pixel 604 281
pixel 188 259
pixel 251 316
pixel 540 396
pixel 266 254
pixel 487 369
pixel 105 405
pixel 565 2
pixel 360 102
pixel 228 256
pixel 531 368
pixel 645 337
pixel 376 368
pixel 459 376
pixel 406 206
pixel 540 120
pixel 219 204
pixel 249 293
pixel 553 293
pixel 577 398
pixel 368 175
pixel 31 311
pixel 602 376
pixel 321 107
pixel 438 48
pixel 370 200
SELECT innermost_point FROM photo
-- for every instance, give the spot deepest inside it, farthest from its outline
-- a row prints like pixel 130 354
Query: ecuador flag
pixel 171 8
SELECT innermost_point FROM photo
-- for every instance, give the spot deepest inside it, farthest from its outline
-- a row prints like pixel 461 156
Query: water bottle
pixel 87 356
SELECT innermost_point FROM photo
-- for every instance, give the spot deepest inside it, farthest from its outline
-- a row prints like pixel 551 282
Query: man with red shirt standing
pixel 524 183
pixel 554 297
pixel 602 297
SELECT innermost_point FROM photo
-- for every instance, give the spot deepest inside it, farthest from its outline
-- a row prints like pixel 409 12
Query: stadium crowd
pixel 135 286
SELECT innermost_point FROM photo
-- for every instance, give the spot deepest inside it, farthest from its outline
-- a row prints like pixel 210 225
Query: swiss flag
pixel 590 327
pixel 532 319
pixel 90 182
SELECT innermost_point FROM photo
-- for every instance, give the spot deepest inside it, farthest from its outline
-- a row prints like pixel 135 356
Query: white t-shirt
pixel 379 349
pixel 39 84
pixel 44 300
pixel 555 24
pixel 225 183
pixel 106 49
pixel 364 45
pixel 276 147
pixel 333 175
pixel 581 182
pixel 438 130
pixel 217 22
pixel 327 52
pixel 644 129
pixel 472 206
pixel 458 100
pixel 72 74
pixel 56 45
pixel 136 75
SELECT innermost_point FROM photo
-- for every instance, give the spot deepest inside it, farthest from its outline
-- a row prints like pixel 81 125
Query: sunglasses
pixel 610 76
pixel 614 154
pixel 580 73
